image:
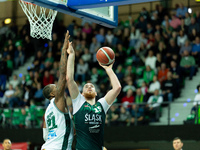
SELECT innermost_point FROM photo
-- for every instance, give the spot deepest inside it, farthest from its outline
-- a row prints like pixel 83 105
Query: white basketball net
pixel 41 24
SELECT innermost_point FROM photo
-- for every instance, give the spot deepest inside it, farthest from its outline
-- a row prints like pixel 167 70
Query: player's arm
pixel 45 131
pixel 72 86
pixel 59 97
pixel 116 86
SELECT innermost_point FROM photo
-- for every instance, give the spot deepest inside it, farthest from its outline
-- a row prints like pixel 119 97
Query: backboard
pixel 103 12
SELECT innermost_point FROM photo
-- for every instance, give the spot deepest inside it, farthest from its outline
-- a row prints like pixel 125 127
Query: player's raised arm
pixel 72 86
pixel 60 88
pixel 116 86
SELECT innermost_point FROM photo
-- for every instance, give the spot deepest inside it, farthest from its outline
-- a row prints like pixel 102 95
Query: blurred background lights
pixel 195 91
pixel 20 75
pixel 7 21
pixel 177 114
pixel 185 104
pixel 173 119
pixel 188 100
pixel 189 10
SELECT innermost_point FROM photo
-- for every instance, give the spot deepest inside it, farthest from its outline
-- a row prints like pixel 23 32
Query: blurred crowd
pixel 154 54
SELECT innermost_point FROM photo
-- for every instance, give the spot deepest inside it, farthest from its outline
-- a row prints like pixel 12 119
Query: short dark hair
pixel 177 138
pixel 46 91
pixel 198 86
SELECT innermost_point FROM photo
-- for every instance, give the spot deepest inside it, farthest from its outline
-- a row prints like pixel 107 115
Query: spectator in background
pixel 159 61
pixel 17 98
pixel 141 40
pixel 94 76
pixel 148 75
pixel 196 102
pixel 144 88
pixel 166 19
pixel 193 36
pixel 28 95
pixel 167 31
pixel 144 13
pixel 175 23
pixel 47 78
pixel 153 105
pixel 7 95
pixel 172 49
pixel 81 70
pixel 94 47
pixel 129 86
pixel 177 143
pixel 38 95
pixel 196 50
pixel 151 60
pixel 176 72
pixel 100 36
pixel 109 37
pixel 193 25
pixel 129 98
pixel 188 64
pixel 112 115
pixel 15 81
pixel 181 10
pixel 9 65
pixel 150 29
pixel 38 60
pixel 162 49
pixel 187 19
pixel 86 56
pixel 49 60
pixel 130 72
pixel 19 56
pixel 187 46
pixel 182 38
pixel 169 88
pixel 124 117
pixel 162 74
pixel 6 144
pixel 22 118
pixel 139 97
pixel 134 36
pixel 142 24
pixel 119 72
pixel 155 85
pixel 137 114
pixel 3 73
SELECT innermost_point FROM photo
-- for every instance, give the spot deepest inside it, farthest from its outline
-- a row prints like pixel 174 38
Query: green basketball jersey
pixel 89 123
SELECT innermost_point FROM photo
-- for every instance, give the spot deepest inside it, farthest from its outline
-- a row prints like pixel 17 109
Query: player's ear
pixel 95 93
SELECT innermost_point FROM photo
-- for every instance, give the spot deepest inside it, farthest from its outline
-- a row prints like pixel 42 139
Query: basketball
pixel 105 56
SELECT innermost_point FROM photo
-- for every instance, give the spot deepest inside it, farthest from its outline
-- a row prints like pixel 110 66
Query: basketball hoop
pixel 40 24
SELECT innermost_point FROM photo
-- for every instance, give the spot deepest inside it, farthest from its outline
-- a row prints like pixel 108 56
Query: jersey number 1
pixel 51 123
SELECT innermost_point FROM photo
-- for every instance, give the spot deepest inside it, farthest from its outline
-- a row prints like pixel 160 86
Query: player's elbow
pixel 118 89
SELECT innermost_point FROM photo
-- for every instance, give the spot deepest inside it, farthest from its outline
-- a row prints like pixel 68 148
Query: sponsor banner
pixel 17 146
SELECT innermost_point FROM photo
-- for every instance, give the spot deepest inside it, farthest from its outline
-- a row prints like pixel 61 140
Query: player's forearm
pixel 63 62
pixel 114 80
pixel 70 66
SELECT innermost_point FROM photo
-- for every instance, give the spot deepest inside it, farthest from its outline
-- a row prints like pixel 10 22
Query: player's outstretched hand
pixel 66 42
pixel 106 67
pixel 70 49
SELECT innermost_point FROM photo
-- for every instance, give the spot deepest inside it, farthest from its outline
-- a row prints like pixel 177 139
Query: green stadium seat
pixel 15 116
pixel 7 113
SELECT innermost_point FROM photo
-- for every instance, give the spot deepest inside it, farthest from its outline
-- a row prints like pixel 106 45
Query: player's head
pixel 49 91
pixel 198 88
pixel 89 91
pixel 177 143
pixel 6 144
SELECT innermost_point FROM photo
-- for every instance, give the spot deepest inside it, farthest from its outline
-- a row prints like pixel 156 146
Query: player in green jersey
pixel 89 115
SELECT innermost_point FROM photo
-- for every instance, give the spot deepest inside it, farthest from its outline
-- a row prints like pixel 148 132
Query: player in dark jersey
pixel 89 115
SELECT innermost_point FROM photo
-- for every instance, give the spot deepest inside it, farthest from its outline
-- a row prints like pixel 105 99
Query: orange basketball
pixel 105 56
